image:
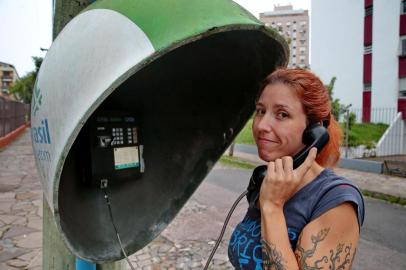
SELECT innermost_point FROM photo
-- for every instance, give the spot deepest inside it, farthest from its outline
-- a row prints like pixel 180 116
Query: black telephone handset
pixel 316 135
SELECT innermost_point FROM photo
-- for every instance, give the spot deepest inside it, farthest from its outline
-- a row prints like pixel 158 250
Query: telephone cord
pixel 220 237
pixel 106 196
pixel 224 229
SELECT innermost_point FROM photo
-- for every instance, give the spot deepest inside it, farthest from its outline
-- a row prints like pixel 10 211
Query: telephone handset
pixel 316 135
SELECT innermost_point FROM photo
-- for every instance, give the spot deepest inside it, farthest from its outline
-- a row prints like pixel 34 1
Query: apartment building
pixel 365 50
pixel 8 75
pixel 293 24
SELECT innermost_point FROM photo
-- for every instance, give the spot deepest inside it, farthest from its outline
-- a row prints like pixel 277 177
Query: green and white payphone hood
pixel 187 72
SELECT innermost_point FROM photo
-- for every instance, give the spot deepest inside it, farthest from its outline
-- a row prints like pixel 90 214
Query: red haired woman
pixel 308 217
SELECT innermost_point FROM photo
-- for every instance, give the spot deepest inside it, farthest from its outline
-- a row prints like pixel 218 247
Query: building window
pixel 368 49
pixel 402 49
pixel 368 11
pixel 402 88
pixel 367 87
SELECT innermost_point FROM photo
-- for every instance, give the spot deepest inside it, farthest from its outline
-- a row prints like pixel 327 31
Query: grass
pixel 365 134
pixel 360 134
pixel 245 136
pixel 237 163
pixel 385 197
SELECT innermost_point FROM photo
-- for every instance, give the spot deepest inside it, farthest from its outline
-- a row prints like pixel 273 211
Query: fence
pixel 377 115
pixel 391 142
pixel 13 114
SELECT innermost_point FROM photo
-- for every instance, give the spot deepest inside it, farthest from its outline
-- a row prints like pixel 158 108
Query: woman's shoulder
pixel 335 190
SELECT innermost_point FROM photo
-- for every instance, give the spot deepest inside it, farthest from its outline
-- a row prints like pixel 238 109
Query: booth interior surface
pixel 190 104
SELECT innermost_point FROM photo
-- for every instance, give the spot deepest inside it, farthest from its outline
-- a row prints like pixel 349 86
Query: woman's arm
pixel 328 242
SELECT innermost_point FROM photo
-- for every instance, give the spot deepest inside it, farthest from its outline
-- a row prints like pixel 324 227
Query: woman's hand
pixel 282 182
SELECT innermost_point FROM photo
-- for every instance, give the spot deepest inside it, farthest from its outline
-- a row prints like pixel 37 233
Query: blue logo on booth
pixel 40 134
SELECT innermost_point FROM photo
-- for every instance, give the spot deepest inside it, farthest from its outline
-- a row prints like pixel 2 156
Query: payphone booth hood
pixel 189 70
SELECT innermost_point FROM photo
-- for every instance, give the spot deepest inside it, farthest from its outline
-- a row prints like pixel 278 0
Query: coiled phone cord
pixel 224 228
pixel 106 196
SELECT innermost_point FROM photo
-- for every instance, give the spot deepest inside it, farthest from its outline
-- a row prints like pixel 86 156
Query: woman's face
pixel 279 122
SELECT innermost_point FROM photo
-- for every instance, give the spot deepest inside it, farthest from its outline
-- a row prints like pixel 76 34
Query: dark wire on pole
pixel 224 229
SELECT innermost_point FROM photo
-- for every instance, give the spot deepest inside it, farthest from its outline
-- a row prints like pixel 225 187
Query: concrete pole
pixel 55 255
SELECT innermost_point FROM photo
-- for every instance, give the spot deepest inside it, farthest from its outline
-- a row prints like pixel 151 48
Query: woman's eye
pixel 282 115
pixel 259 111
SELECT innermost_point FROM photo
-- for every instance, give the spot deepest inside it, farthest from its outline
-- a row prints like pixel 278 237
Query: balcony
pixel 7 79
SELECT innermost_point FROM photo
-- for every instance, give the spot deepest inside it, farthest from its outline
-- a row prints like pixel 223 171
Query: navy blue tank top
pixel 325 192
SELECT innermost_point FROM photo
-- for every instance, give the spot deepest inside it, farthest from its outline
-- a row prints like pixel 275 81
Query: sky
pixel 27 27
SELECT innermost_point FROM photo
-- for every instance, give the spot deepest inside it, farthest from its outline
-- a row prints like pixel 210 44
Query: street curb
pixel 6 140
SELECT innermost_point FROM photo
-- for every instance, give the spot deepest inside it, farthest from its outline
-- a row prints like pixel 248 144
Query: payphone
pixel 115 148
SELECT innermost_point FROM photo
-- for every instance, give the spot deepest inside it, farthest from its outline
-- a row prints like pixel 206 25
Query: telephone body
pixel 116 149
pixel 315 135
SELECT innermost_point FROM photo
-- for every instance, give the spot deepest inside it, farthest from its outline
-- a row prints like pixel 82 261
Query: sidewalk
pixel 368 182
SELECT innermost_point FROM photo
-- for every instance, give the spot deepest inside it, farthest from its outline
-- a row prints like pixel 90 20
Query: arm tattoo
pixel 339 258
pixel 271 257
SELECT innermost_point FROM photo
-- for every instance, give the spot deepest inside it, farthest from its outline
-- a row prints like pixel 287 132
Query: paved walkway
pixel 21 216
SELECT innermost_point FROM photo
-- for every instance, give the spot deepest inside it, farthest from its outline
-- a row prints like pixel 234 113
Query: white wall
pixel 337 38
pixel 385 49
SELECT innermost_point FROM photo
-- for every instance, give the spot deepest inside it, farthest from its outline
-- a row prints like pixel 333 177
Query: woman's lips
pixel 266 141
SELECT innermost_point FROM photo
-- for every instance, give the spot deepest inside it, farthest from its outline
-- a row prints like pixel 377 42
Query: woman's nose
pixel 265 123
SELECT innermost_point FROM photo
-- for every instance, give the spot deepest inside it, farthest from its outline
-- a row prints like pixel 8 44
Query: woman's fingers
pixel 287 165
pixel 307 164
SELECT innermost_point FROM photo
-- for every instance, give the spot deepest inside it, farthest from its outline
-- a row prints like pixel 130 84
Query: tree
pixel 336 107
pixel 24 87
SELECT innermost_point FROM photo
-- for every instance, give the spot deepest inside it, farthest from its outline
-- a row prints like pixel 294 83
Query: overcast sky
pixel 27 26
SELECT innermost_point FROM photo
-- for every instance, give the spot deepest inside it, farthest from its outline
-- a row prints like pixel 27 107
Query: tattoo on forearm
pixel 271 258
pixel 339 259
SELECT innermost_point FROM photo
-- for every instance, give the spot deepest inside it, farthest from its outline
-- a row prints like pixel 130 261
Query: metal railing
pixel 13 114
pixel 391 142
pixel 377 115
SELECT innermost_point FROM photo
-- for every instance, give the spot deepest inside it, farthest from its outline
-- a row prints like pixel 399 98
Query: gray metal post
pixel 347 129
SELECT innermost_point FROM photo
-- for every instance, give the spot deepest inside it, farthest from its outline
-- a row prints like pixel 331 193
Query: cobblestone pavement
pixel 164 254
pixel 21 222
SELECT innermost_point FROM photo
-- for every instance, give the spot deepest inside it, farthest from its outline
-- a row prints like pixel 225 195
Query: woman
pixel 306 218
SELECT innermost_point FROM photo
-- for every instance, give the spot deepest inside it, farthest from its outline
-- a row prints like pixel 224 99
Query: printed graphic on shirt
pixel 245 249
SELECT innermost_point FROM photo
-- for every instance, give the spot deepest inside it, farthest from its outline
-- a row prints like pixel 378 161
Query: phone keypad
pixel 118 138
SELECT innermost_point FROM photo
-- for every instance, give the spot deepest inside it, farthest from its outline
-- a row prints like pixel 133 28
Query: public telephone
pixel 116 149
